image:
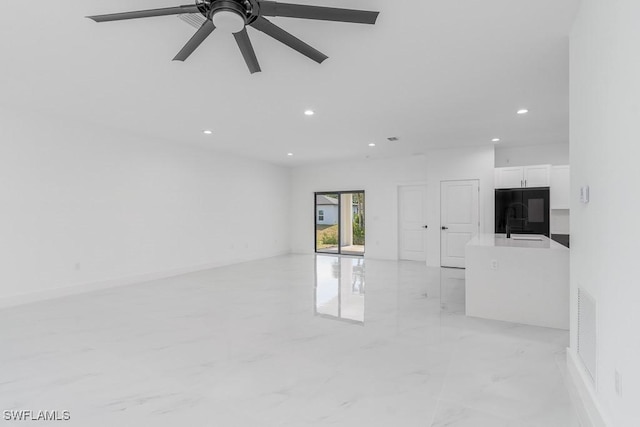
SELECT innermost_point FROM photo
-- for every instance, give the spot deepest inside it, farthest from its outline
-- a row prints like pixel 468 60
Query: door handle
pixel 425 226
pixel 445 228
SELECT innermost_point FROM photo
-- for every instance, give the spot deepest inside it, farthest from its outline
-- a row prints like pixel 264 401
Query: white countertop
pixel 516 241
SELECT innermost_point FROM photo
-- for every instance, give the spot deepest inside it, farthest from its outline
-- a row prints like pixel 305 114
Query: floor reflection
pixel 339 290
pixel 238 346
pixel 452 291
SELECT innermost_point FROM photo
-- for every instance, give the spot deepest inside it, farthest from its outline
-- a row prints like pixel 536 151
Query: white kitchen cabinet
pixel 537 176
pixel 560 187
pixel 509 177
pixel 523 176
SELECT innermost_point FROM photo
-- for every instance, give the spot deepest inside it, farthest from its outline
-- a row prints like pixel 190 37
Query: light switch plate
pixel 584 194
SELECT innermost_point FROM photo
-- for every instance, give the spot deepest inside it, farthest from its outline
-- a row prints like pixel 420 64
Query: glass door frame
pixel 315 220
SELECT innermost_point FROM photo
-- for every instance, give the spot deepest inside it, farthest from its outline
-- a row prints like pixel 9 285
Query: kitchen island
pixel 523 279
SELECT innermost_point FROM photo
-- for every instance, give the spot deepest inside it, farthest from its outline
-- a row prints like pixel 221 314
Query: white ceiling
pixel 436 73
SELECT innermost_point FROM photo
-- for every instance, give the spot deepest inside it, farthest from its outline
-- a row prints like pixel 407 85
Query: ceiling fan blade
pixel 281 35
pixel 178 10
pixel 272 8
pixel 195 41
pixel 249 55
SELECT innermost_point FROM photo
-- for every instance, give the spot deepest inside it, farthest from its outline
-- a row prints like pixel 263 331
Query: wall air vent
pixel 587 332
pixel 194 19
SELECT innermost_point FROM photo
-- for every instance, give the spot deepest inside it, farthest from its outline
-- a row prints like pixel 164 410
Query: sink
pixel 533 239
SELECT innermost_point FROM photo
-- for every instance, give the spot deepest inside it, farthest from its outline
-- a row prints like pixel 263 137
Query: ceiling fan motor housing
pixel 228 15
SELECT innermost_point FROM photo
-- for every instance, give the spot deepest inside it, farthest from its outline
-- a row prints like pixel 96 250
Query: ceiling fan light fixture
pixel 233 16
pixel 228 21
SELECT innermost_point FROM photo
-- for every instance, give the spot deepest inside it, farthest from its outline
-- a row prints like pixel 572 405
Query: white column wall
pixel 605 148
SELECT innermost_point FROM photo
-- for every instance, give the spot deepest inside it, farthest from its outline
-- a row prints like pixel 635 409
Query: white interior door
pixel 460 220
pixel 412 229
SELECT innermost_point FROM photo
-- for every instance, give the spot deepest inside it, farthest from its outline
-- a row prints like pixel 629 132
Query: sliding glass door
pixel 340 222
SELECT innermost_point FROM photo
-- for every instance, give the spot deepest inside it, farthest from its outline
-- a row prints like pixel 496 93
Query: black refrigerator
pixel 523 210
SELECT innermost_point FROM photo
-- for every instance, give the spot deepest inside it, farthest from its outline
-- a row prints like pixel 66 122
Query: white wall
pixel 459 164
pixel 547 154
pixel 88 207
pixel 605 150
pixel 560 221
pixel 380 179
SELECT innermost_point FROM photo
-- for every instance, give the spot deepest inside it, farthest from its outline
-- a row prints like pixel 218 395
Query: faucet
pixel 510 209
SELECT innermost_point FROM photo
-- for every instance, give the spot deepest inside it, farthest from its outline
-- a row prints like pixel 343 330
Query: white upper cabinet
pixel 537 176
pixel 560 187
pixel 523 176
pixel 509 177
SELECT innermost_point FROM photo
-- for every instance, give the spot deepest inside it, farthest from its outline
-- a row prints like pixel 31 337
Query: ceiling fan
pixel 235 15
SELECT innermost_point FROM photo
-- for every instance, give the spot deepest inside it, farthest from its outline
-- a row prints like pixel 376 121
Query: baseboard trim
pixel 583 394
pixel 16 300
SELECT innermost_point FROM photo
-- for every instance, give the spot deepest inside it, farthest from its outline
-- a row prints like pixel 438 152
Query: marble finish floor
pixel 297 340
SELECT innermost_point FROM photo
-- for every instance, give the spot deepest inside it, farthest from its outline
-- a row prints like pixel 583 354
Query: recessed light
pixel 495 140
pixel 207 132
pixel 372 145
pixel 289 154
pixel 309 113
pixel 523 111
